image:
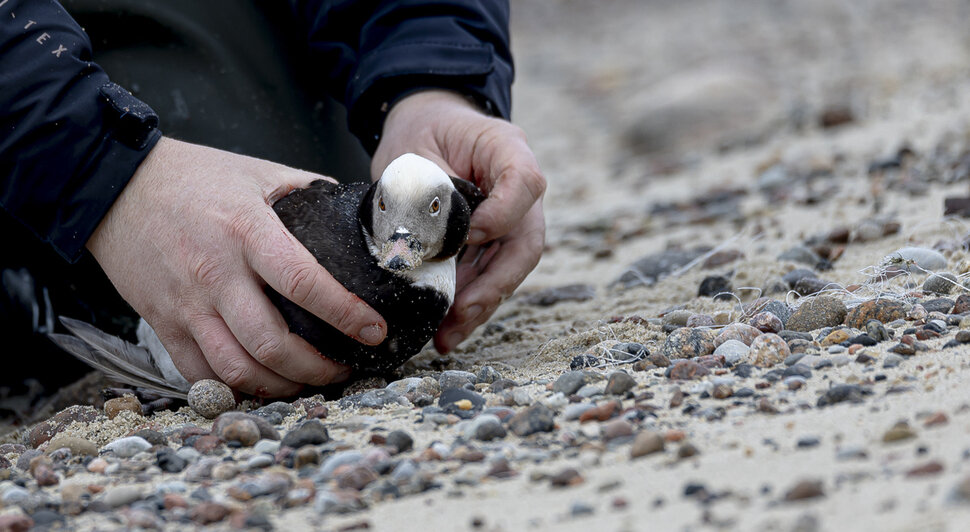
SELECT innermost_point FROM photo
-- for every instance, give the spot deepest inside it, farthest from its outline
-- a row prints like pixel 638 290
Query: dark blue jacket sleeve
pixel 69 139
pixel 375 51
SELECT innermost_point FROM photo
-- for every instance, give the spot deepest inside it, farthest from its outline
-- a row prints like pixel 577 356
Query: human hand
pixel 493 154
pixel 190 244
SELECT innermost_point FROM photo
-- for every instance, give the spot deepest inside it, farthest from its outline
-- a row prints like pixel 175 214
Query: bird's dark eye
pixel 435 206
pixel 380 204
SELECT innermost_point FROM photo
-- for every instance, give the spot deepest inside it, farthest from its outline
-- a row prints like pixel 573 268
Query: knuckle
pixel 269 349
pixel 237 375
pixel 299 283
pixel 206 270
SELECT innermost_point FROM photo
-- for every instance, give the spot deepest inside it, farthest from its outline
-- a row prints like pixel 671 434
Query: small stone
pixel 741 332
pixel 687 370
pixel 899 432
pixel 936 419
pixel 766 322
pixel 940 283
pixel 355 477
pixel 485 427
pixel 243 431
pixel 565 478
pixel 645 443
pixel 835 337
pixel 15 522
pixel 455 379
pixel 817 312
pixel 877 331
pixel 46 430
pixel 209 398
pixel 569 383
pixel 927 469
pixel 733 351
pixel 941 305
pixel 266 430
pixel 716 286
pixel 768 350
pixel 461 402
pixel 700 320
pixel 128 447
pixel 122 495
pixel 881 310
pixel 400 441
pixel 536 418
pixel 225 470
pixel 962 304
pixel 601 412
pixel 207 513
pixel 77 446
pixel 687 450
pixel 557 294
pixel 689 343
pixel 903 349
pixel 798 274
pixel 891 360
pixel 311 432
pixel 916 260
pixel 487 375
pixel 619 383
pixel 113 407
pixel 841 393
pixel 306 455
pixel 617 428
pixel 810 286
pixel 805 489
pixel 168 461
pixel 800 254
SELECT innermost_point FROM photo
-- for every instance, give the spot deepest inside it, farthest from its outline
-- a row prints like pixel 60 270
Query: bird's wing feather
pixel 117 358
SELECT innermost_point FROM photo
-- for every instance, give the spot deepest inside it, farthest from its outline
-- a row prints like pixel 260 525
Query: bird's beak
pixel 401 252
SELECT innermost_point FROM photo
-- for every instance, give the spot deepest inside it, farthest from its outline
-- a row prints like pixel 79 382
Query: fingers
pixel 233 364
pixel 186 355
pixel 514 184
pixel 261 330
pixel 279 258
pixel 502 274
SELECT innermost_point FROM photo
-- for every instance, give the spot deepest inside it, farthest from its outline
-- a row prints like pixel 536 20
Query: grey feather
pixel 137 365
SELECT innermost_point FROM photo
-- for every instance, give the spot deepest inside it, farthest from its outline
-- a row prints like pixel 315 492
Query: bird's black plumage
pixel 329 220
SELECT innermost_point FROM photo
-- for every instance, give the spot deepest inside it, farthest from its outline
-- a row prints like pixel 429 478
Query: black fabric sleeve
pixel 69 139
pixel 375 51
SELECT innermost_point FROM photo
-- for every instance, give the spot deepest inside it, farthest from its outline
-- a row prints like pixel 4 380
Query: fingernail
pixel 372 334
pixel 476 236
pixel 472 312
pixel 454 339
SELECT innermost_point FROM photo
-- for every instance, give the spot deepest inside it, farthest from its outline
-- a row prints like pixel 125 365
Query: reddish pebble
pixel 601 413
pixel 930 468
pixel 206 513
pixel 673 435
pixel 317 412
pixel 206 444
pixel 174 500
pixel 15 523
pixel 937 418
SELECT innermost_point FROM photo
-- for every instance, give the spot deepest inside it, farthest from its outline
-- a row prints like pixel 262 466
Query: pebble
pixel 800 254
pixel 700 320
pixel 817 312
pixel 461 402
pixel 766 322
pixel 575 410
pixel 484 427
pixel 128 447
pixel 841 393
pixel 400 441
pixel 77 446
pixel 891 360
pixel 209 398
pixel 243 431
pixel 805 489
pixel 941 283
pixel 264 430
pixel 741 332
pixel 168 461
pixel 455 379
pixel 536 418
pixel 569 383
pixel 961 305
pixel 565 478
pixel 941 305
pixel 14 522
pixel 648 270
pixel 798 274
pixel 113 407
pixel 487 375
pixel 689 343
pixel 876 330
pixel 768 350
pixel 258 461
pixel 551 296
pixel 122 495
pixel 899 432
pixel 310 432
pixel 646 442
pixel 733 351
pixel 619 383
pixel 922 259
pixel 686 370
pixel 616 428
pixel 379 398
pixel 716 286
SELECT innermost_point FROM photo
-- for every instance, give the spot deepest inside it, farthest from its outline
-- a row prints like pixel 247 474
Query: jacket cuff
pixel 472 70
pixel 112 164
